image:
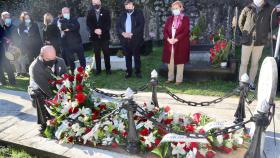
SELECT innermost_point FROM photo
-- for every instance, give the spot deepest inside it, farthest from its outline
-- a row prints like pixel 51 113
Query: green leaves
pixel 161 150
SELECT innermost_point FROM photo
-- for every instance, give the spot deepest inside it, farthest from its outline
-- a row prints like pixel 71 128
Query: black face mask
pixel 96 6
pixel 50 63
pixel 129 10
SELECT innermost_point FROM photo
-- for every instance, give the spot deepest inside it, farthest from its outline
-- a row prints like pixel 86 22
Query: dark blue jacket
pixel 71 37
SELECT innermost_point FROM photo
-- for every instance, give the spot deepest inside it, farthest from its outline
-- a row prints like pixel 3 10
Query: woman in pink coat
pixel 176 42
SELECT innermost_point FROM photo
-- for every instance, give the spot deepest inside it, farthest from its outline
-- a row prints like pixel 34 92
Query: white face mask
pixel 176 12
pixel 258 3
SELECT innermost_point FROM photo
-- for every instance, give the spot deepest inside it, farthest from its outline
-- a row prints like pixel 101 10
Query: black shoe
pixel 97 72
pixel 252 87
pixel 127 75
pixel 13 83
pixel 108 72
pixel 138 75
pixel 25 75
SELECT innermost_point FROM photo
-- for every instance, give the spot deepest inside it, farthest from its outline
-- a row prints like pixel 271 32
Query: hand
pixel 98 31
pixel 175 40
pixel 66 30
pixel 125 34
pixel 170 41
pixel 129 35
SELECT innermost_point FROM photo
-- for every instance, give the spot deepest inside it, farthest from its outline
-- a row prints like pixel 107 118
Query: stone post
pixel 240 111
pixel 132 145
pixel 154 83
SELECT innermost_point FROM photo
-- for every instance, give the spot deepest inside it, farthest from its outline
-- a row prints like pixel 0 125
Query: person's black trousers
pixel 97 47
pixel 5 66
pixel 70 55
pixel 130 50
pixel 42 114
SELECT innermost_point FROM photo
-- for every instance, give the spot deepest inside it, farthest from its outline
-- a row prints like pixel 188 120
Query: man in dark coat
pixel 254 23
pixel 5 40
pixel 130 28
pixel 99 23
pixel 41 70
pixel 71 39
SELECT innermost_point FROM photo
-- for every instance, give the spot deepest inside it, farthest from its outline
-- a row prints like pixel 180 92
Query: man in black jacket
pixel 41 70
pixel 130 28
pixel 99 23
pixel 71 39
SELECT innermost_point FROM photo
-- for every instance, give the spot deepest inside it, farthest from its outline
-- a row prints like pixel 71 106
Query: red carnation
pixel 80 97
pixel 115 131
pixel 201 131
pixel 142 139
pixel 161 131
pixel 114 145
pixel 102 107
pixel 79 88
pixel 212 51
pixel 79 78
pixel 65 76
pixel 189 128
pixel 196 117
pixel 210 154
pixel 70 139
pixel 157 141
pixel 80 69
pixel 199 155
pixel 167 109
pixel 167 121
pixel 124 134
pixel 223 44
pixel 144 132
pixel 95 114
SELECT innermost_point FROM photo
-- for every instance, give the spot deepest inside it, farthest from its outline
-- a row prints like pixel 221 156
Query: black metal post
pixel 240 111
pixel 132 145
pixel 256 147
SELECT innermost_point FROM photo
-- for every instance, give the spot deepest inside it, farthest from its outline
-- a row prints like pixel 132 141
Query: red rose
pixel 210 154
pixel 150 147
pixel 59 81
pixel 88 130
pixel 80 69
pixel 71 78
pixel 150 114
pixel 79 78
pixel 167 109
pixel 196 117
pixel 167 121
pixel 161 131
pixel 144 132
pixel 114 145
pixel 142 139
pixel 189 128
pixel 201 131
pixel 124 134
pixel 79 88
pixel 212 51
pixel 193 145
pixel 73 110
pixel 157 141
pixel 80 97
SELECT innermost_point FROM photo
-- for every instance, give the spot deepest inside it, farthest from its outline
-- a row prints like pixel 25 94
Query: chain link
pixel 122 95
pixel 206 103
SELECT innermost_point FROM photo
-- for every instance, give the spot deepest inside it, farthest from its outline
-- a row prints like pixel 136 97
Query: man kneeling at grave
pixel 42 69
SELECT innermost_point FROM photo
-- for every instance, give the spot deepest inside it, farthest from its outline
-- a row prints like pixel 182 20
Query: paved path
pixel 18 123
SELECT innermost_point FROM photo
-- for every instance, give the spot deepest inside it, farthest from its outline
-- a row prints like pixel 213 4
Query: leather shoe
pixel 138 75
pixel 127 75
pixel 108 72
pixel 97 72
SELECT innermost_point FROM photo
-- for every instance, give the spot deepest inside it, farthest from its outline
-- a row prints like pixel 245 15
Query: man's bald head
pixel 48 53
pixel 96 2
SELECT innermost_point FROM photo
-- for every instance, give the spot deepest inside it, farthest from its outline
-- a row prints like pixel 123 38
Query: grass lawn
pixel 153 61
pixel 8 152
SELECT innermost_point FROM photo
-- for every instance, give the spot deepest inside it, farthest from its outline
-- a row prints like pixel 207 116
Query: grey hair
pixel 4 14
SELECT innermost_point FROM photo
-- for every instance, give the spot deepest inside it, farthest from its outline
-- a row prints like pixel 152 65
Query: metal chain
pixel 206 103
pixel 122 95
pixel 226 130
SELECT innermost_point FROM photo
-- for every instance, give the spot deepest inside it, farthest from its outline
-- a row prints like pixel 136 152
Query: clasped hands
pixel 127 35
pixel 172 40
pixel 98 32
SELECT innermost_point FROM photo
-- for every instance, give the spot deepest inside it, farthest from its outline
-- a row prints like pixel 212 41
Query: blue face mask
pixel 66 16
pixel 27 21
pixel 8 22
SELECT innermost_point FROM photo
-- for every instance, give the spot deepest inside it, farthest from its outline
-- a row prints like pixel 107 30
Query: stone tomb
pixel 200 69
